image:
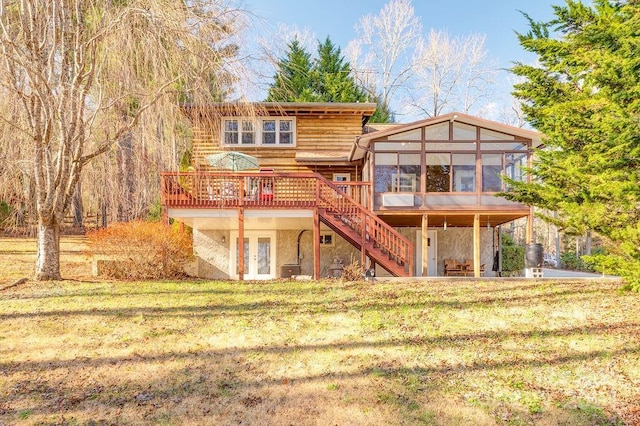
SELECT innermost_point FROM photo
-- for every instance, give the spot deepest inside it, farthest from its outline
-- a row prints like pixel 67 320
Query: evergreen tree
pixel 328 78
pixel 332 77
pixel 584 96
pixel 292 82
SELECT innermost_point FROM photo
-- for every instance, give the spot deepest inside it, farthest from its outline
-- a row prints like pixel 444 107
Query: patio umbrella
pixel 232 160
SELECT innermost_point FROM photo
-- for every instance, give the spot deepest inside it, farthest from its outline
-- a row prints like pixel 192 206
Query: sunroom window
pixel 397 172
pixel 464 172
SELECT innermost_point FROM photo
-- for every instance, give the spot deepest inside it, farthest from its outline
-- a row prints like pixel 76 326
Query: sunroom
pixel 443 174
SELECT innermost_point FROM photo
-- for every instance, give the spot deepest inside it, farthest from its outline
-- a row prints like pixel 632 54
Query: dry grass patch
pixel 18 258
pixel 510 352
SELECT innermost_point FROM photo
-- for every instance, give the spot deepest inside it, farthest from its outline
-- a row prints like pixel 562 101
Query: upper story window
pixel 260 131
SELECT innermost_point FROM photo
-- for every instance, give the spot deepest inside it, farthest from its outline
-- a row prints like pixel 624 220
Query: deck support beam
pixel 363 250
pixel 424 243
pixel 316 244
pixel 529 232
pixel 240 244
pixel 476 245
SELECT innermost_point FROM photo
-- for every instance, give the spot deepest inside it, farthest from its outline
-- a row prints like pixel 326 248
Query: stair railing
pixel 373 231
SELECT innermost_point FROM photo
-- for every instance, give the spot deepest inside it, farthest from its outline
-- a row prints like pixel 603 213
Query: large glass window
pixel 513 165
pixel 463 132
pixel 464 172
pixel 491 171
pixel 397 172
pixel 438 172
pixel 386 166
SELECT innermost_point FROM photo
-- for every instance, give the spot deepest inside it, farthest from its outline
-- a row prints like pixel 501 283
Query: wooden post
pixel 529 234
pixel 316 244
pixel 240 244
pixel 476 245
pixel 363 251
pixel 424 241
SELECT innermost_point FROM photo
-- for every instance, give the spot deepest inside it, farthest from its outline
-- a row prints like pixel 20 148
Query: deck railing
pixel 256 190
pixel 287 190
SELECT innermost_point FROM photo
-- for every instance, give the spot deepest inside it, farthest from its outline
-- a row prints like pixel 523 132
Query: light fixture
pixel 445 223
pixel 224 239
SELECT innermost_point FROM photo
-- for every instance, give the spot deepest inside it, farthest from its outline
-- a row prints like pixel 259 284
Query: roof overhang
pixel 362 143
pixel 322 157
pixel 287 109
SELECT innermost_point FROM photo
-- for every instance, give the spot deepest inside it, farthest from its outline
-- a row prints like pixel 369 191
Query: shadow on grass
pixel 418 341
pixel 282 306
pixel 228 385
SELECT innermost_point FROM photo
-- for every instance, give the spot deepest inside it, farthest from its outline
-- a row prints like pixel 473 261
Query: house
pixel 332 189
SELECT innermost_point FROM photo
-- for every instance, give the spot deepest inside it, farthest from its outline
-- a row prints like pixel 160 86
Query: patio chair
pixel 468 268
pixel 228 191
pixel 452 267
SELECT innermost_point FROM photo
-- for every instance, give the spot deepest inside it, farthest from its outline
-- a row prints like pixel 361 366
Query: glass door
pixel 259 255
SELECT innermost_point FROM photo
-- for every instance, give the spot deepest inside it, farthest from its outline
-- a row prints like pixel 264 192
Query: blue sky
pixel 497 19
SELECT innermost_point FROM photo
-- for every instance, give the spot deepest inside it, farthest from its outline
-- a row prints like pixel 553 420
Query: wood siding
pixel 332 135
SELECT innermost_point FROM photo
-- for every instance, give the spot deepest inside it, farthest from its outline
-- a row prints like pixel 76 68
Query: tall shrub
pixel 142 250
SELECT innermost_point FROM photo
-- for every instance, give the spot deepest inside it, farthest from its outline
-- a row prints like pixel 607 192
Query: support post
pixel 240 244
pixel 529 232
pixel 316 244
pixel 424 242
pixel 476 245
pixel 363 250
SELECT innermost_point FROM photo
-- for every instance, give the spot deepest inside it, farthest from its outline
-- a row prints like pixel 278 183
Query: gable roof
pixel 363 142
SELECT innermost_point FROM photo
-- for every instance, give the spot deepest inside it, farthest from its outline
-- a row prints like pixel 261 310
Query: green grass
pixel 307 353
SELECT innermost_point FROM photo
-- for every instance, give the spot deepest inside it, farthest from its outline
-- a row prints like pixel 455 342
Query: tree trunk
pixel 48 257
pixel 78 210
pixel 124 156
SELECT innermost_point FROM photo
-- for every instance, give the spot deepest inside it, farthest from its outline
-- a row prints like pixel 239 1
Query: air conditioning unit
pixel 397 200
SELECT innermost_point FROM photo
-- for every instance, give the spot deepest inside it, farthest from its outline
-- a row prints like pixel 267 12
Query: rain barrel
pixel 533 256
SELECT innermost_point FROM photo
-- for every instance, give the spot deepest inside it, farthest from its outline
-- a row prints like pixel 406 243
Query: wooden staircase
pixel 365 231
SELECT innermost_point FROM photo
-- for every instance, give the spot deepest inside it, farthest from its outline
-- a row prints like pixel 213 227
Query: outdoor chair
pixel 468 268
pixel 452 267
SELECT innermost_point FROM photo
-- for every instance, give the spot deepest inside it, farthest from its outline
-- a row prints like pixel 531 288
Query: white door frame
pixel 432 264
pixel 251 269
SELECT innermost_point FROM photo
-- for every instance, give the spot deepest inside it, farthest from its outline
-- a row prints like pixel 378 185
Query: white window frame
pixel 258 131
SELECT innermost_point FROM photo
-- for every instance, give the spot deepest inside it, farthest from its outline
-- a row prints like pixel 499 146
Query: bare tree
pixel 71 65
pixel 452 73
pixel 381 56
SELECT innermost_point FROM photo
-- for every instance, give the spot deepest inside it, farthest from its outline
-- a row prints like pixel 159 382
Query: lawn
pixel 90 351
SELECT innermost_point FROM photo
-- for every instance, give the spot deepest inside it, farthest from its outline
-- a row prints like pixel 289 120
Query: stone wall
pixel 212 254
pixel 212 251
pixel 454 243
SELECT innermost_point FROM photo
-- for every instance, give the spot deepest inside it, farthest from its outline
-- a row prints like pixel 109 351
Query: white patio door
pixel 432 264
pixel 259 255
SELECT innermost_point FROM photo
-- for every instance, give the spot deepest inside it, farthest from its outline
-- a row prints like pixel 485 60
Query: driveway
pixel 565 273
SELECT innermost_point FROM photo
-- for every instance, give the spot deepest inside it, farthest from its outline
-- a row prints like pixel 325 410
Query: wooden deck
pixel 255 190
pixel 337 204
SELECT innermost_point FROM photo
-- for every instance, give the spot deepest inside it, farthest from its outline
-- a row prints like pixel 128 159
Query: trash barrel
pixel 533 256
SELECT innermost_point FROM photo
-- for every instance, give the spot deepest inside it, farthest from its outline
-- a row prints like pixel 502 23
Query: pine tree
pixel 584 95
pixel 292 82
pixel 332 77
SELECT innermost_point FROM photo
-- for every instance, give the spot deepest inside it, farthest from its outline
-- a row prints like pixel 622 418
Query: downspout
pixel 299 236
